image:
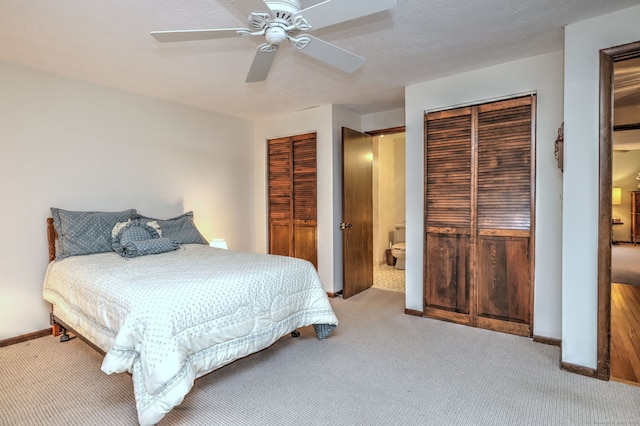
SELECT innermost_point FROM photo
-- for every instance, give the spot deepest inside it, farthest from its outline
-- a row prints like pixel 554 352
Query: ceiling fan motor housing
pixel 275 26
pixel 281 11
pixel 275 35
pixel 282 8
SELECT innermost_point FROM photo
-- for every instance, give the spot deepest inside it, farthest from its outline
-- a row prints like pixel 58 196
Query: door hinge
pixel 344 226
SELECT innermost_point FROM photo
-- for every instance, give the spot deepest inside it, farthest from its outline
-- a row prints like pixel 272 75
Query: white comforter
pixel 173 317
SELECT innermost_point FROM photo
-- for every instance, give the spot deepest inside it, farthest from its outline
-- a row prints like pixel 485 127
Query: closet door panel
pixel 448 278
pixel 304 178
pixel 504 201
pixel 503 284
pixel 304 241
pixel 504 165
pixel 447 166
pixel 448 215
pixel 279 168
pixel 279 180
pixel 280 238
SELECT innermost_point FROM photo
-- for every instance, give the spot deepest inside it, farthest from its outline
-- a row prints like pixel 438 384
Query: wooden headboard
pixel 51 237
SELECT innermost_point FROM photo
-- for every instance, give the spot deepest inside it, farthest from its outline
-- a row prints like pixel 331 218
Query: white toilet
pixel 398 248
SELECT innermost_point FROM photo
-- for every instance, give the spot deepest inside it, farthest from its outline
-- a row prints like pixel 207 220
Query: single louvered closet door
pixel 479 196
pixel 504 210
pixel 293 197
pixel 448 215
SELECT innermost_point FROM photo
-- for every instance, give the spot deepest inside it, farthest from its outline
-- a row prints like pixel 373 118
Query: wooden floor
pixel 625 332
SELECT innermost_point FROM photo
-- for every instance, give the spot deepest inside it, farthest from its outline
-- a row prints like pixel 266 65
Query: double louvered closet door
pixel 479 210
pixel 293 197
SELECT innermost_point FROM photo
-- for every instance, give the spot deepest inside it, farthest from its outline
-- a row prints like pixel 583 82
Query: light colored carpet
pixel 380 367
pixel 625 264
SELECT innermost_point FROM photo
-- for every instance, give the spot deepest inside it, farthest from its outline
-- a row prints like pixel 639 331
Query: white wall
pixel 542 74
pixel 583 42
pixel 400 181
pixel 383 196
pixel 383 120
pixel 341 118
pixel 317 120
pixel 78 146
pixel 389 202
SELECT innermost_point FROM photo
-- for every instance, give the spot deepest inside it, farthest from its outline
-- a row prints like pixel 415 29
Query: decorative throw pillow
pixel 180 228
pixel 145 247
pixel 131 231
pixel 84 232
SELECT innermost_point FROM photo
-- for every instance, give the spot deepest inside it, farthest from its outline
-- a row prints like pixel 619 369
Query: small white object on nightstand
pixel 219 243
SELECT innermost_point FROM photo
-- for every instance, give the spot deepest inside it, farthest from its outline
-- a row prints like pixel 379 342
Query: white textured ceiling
pixel 108 43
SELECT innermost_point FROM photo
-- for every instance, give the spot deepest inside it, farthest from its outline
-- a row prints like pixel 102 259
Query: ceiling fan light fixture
pixel 275 35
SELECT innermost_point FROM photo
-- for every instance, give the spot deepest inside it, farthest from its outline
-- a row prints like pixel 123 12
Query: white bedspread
pixel 173 317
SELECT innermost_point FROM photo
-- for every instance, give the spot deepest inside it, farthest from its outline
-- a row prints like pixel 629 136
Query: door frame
pixel 607 58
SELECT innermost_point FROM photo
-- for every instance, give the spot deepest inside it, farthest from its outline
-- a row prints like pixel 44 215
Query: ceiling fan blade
pixel 189 35
pixel 332 55
pixel 261 64
pixel 251 5
pixel 331 12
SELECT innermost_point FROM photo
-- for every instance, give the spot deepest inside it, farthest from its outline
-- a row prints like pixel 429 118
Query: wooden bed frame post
pixel 56 329
pixel 51 237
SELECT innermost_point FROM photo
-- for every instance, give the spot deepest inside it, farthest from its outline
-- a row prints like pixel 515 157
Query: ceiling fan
pixel 280 20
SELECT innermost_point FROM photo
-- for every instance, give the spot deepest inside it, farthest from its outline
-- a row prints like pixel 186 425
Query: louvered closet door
pixel 304 198
pixel 448 215
pixel 479 215
pixel 293 197
pixel 280 169
pixel 504 210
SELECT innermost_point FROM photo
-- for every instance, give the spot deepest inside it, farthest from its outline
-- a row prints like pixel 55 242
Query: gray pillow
pixel 83 232
pixel 132 231
pixel 145 247
pixel 180 228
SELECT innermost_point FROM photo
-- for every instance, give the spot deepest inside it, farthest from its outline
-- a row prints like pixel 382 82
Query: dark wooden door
pixel 305 196
pixel 357 212
pixel 504 215
pixel 479 193
pixel 293 197
pixel 280 169
pixel 635 216
pixel 448 216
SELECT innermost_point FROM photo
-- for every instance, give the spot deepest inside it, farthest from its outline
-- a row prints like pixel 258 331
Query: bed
pixel 170 315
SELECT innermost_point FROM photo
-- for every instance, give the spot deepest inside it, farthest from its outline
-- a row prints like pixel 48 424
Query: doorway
pixel 625 253
pixel 389 204
pixel 608 58
pixel 365 262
